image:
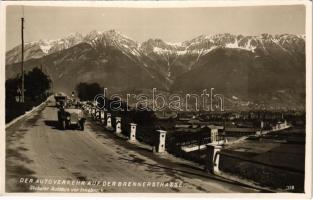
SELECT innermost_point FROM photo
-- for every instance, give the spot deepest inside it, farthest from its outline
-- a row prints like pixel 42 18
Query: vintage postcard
pixel 157 97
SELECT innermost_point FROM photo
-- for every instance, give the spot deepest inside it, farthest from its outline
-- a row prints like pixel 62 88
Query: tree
pixel 88 91
pixel 36 84
pixel 11 86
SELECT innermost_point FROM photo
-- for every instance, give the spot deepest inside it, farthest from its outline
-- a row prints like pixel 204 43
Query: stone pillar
pixel 214 134
pixel 160 147
pixel 213 158
pixel 132 135
pixel 109 122
pixel 94 112
pixel 98 113
pixel 118 126
pixel 102 116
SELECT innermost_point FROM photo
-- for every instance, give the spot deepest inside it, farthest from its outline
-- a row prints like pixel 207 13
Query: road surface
pixel 37 150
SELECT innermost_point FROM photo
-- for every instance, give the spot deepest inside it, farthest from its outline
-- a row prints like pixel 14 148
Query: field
pixel 275 160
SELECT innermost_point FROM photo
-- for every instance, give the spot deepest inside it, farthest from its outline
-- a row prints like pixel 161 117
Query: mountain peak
pixel 199 45
pixel 226 62
pixel 74 35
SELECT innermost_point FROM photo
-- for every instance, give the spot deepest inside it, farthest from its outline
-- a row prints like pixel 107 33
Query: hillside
pixel 261 70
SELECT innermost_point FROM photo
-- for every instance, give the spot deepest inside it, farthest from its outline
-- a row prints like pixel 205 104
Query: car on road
pixel 60 99
pixel 71 115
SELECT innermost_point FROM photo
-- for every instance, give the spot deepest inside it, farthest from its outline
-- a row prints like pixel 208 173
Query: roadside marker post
pixel 102 117
pixel 118 126
pixel 109 122
pixel 132 135
pixel 213 158
pixel 160 147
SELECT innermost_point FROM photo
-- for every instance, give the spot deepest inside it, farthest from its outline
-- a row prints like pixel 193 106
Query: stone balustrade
pixel 105 117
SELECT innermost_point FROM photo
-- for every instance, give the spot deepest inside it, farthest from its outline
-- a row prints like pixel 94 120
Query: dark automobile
pixel 71 115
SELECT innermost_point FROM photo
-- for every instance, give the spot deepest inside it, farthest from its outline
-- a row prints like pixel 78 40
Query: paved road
pixel 36 148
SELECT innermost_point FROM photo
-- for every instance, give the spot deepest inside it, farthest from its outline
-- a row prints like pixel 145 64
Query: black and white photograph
pixel 120 97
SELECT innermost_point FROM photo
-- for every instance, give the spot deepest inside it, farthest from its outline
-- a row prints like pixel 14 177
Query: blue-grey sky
pixel 140 24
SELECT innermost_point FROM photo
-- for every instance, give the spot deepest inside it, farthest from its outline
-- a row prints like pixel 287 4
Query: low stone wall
pixel 125 127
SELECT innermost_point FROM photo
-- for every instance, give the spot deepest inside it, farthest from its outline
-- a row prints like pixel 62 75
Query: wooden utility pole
pixel 22 62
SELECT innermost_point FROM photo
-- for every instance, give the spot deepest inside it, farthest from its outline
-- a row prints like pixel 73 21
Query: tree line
pixel 36 90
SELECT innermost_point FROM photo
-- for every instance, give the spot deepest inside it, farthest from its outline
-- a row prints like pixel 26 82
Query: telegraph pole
pixel 22 63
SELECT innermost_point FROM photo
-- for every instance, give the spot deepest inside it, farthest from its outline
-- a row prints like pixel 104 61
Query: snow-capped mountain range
pixel 198 46
pixel 265 69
